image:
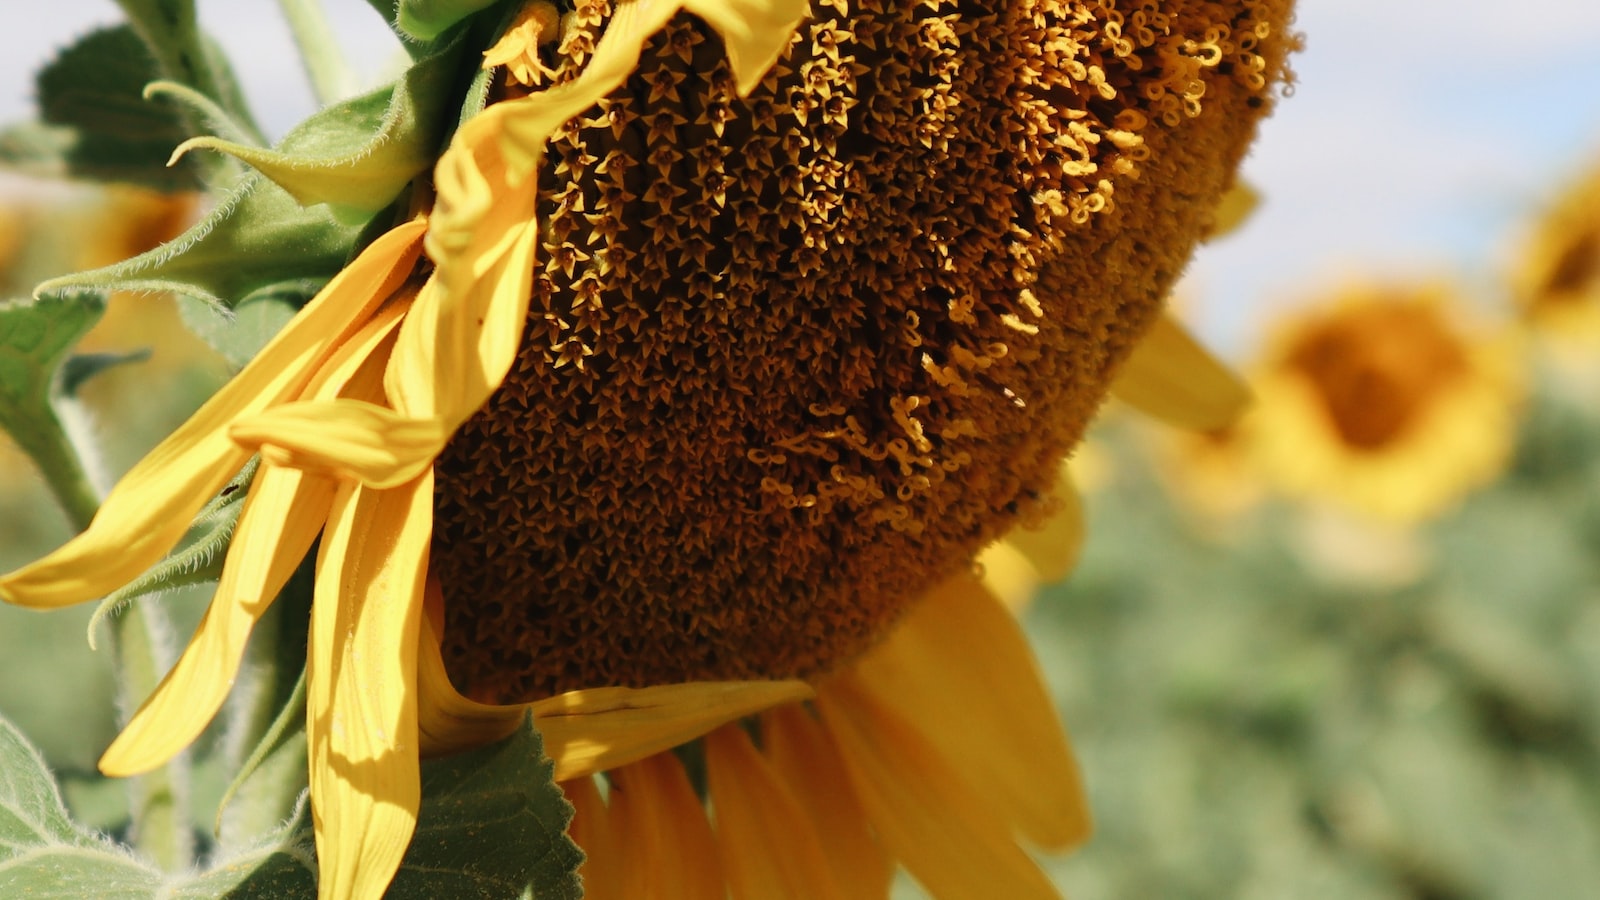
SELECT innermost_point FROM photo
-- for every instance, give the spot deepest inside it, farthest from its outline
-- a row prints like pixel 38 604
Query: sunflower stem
pixel 325 65
pixel 159 799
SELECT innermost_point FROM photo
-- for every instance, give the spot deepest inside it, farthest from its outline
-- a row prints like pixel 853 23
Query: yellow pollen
pixel 793 359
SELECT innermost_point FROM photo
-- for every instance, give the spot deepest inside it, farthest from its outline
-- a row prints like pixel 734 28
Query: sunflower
pixel 1385 401
pixel 1556 281
pixel 735 334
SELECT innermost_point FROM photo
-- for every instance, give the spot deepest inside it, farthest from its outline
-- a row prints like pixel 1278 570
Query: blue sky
pixel 1422 134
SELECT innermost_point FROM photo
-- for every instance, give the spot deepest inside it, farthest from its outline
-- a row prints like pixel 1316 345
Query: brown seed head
pixel 793 359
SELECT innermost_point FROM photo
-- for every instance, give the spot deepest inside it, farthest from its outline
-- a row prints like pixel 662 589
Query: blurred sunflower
pixel 1556 279
pixel 1386 402
pixel 737 340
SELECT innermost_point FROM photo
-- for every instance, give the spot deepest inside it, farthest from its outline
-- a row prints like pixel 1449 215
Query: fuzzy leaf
pixel 427 19
pixel 492 824
pixel 240 334
pixel 257 238
pixel 95 121
pixel 81 367
pixel 359 154
pixel 42 853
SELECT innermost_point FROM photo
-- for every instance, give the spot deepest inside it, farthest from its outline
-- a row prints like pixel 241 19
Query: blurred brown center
pixel 1376 369
pixel 793 359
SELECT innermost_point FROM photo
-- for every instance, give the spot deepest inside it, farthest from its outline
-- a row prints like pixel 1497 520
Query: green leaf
pixel 240 334
pixel 358 155
pixel 80 368
pixel 42 853
pixel 492 824
pixel 258 238
pixel 34 338
pixel 427 19
pixel 172 34
pixel 96 122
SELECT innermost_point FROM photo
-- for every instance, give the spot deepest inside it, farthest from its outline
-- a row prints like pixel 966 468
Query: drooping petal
pixel 361 712
pixel 282 516
pixel 769 850
pixel 1170 376
pixel 960 662
pixel 922 808
pixel 151 507
pixel 805 757
pixel 594 831
pixel 1009 575
pixel 662 834
pixel 1054 546
pixel 446 721
pixel 602 728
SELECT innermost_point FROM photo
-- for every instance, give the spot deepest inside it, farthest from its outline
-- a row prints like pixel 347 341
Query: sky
pixel 1422 134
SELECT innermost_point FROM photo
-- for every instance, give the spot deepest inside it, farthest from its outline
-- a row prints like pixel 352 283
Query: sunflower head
pixel 1556 280
pixel 1385 401
pixel 794 358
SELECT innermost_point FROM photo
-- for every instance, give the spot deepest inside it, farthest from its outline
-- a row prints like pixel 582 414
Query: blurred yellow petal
pixel 768 848
pixel 959 661
pixel 361 713
pixel 282 516
pixel 594 831
pixel 667 849
pixel 347 438
pixel 1009 575
pixel 1054 546
pixel 1171 377
pixel 922 807
pixel 598 729
pixel 805 758
pixel 151 507
pixel 1235 209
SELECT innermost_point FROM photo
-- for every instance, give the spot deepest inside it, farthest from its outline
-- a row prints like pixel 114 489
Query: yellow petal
pixel 594 832
pixel 282 516
pixel 922 808
pixel 803 755
pixel 1171 377
pixel 448 722
pixel 1009 575
pixel 959 662
pixel 601 728
pixel 151 507
pixel 361 713
pixel 661 829
pixel 754 33
pixel 768 848
pixel 1235 208
pixel 1054 546
pixel 346 438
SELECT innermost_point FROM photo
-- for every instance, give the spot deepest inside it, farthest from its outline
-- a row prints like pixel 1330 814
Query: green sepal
pixel 200 557
pixel 427 19
pixel 95 121
pixel 359 154
pixel 204 111
pixel 257 238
